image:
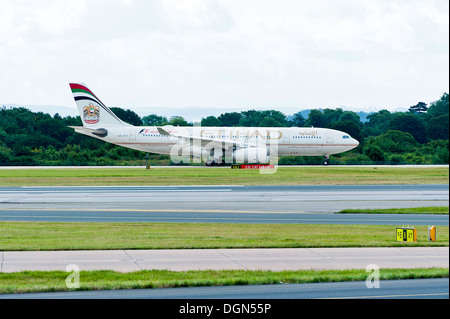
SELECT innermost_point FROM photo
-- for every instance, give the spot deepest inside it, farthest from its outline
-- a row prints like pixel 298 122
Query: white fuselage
pixel 287 141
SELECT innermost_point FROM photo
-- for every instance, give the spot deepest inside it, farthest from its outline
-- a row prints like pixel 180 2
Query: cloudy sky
pixel 225 55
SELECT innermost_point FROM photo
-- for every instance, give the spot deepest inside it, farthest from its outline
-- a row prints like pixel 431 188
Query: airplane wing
pixel 223 143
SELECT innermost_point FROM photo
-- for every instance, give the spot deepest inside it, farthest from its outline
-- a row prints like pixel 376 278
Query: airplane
pixel 215 145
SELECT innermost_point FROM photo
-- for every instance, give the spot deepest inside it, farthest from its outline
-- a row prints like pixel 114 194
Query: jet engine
pixel 251 155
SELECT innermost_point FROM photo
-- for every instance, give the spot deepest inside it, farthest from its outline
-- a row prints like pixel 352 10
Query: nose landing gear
pixel 326 160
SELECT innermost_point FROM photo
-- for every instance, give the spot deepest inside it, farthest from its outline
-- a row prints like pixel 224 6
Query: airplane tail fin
pixel 94 114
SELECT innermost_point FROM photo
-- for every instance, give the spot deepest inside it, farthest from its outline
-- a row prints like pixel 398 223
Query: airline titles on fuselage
pixel 237 133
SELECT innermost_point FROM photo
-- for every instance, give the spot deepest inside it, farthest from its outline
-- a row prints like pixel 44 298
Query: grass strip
pixel 416 210
pixel 23 236
pixel 47 281
pixel 334 175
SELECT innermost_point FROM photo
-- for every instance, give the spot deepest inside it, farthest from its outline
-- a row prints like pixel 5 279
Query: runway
pixel 236 204
pixel 170 216
pixel 392 289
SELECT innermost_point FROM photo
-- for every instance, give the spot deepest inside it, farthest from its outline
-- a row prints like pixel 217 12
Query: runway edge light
pixel 431 233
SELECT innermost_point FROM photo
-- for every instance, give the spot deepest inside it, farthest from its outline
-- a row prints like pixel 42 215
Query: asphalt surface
pixel 273 259
pixel 388 289
pixel 236 204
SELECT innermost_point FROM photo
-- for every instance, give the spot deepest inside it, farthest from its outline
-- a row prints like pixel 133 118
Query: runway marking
pixel 152 210
pixel 151 218
pixel 154 218
pixel 134 186
pixel 145 190
pixel 390 296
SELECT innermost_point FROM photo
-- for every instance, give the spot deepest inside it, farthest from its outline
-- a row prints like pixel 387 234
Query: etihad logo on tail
pixel 91 114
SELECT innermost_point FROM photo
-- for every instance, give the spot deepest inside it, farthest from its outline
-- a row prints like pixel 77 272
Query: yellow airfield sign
pixel 406 234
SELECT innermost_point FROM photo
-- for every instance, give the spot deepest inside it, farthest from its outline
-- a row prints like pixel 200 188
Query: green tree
pixel 350 117
pixel 374 153
pixel 154 120
pixel 331 116
pixel 178 121
pixel 127 116
pixel 298 120
pixel 409 123
pixel 395 142
pixel 270 122
pixel 253 118
pixel 377 124
pixel 440 149
pixel 437 127
pixel 54 128
pixel 5 155
pixel 439 107
pixel 210 121
pixel 279 118
pixel 229 119
pixel 437 121
pixel 419 108
pixel 316 119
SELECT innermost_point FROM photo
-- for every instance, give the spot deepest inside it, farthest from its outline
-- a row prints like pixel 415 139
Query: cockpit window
pixel 345 136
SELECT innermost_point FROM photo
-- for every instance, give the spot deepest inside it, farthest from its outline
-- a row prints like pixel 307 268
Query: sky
pixel 206 57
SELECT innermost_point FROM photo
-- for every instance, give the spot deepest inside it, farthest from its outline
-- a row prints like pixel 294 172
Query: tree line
pixel 418 136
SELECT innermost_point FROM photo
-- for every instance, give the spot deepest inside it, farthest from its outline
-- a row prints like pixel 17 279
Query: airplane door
pixel 329 137
pixel 286 136
pixel 132 135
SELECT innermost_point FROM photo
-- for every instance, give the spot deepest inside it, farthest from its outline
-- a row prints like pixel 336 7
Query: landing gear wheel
pixel 220 163
pixel 326 160
pixel 209 163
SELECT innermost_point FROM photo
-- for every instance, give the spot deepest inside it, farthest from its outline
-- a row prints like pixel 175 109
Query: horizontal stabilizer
pixel 100 132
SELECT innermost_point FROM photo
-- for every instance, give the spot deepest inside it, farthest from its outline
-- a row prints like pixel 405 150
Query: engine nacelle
pixel 251 155
pixel 203 152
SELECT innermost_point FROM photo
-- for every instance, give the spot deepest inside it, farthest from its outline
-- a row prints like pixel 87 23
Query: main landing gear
pixel 326 161
pixel 216 158
pixel 212 163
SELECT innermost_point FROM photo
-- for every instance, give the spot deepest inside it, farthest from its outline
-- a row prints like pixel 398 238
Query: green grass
pixel 337 175
pixel 417 210
pixel 46 281
pixel 91 236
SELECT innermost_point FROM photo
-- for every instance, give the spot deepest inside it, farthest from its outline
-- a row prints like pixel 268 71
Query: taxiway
pixel 237 204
